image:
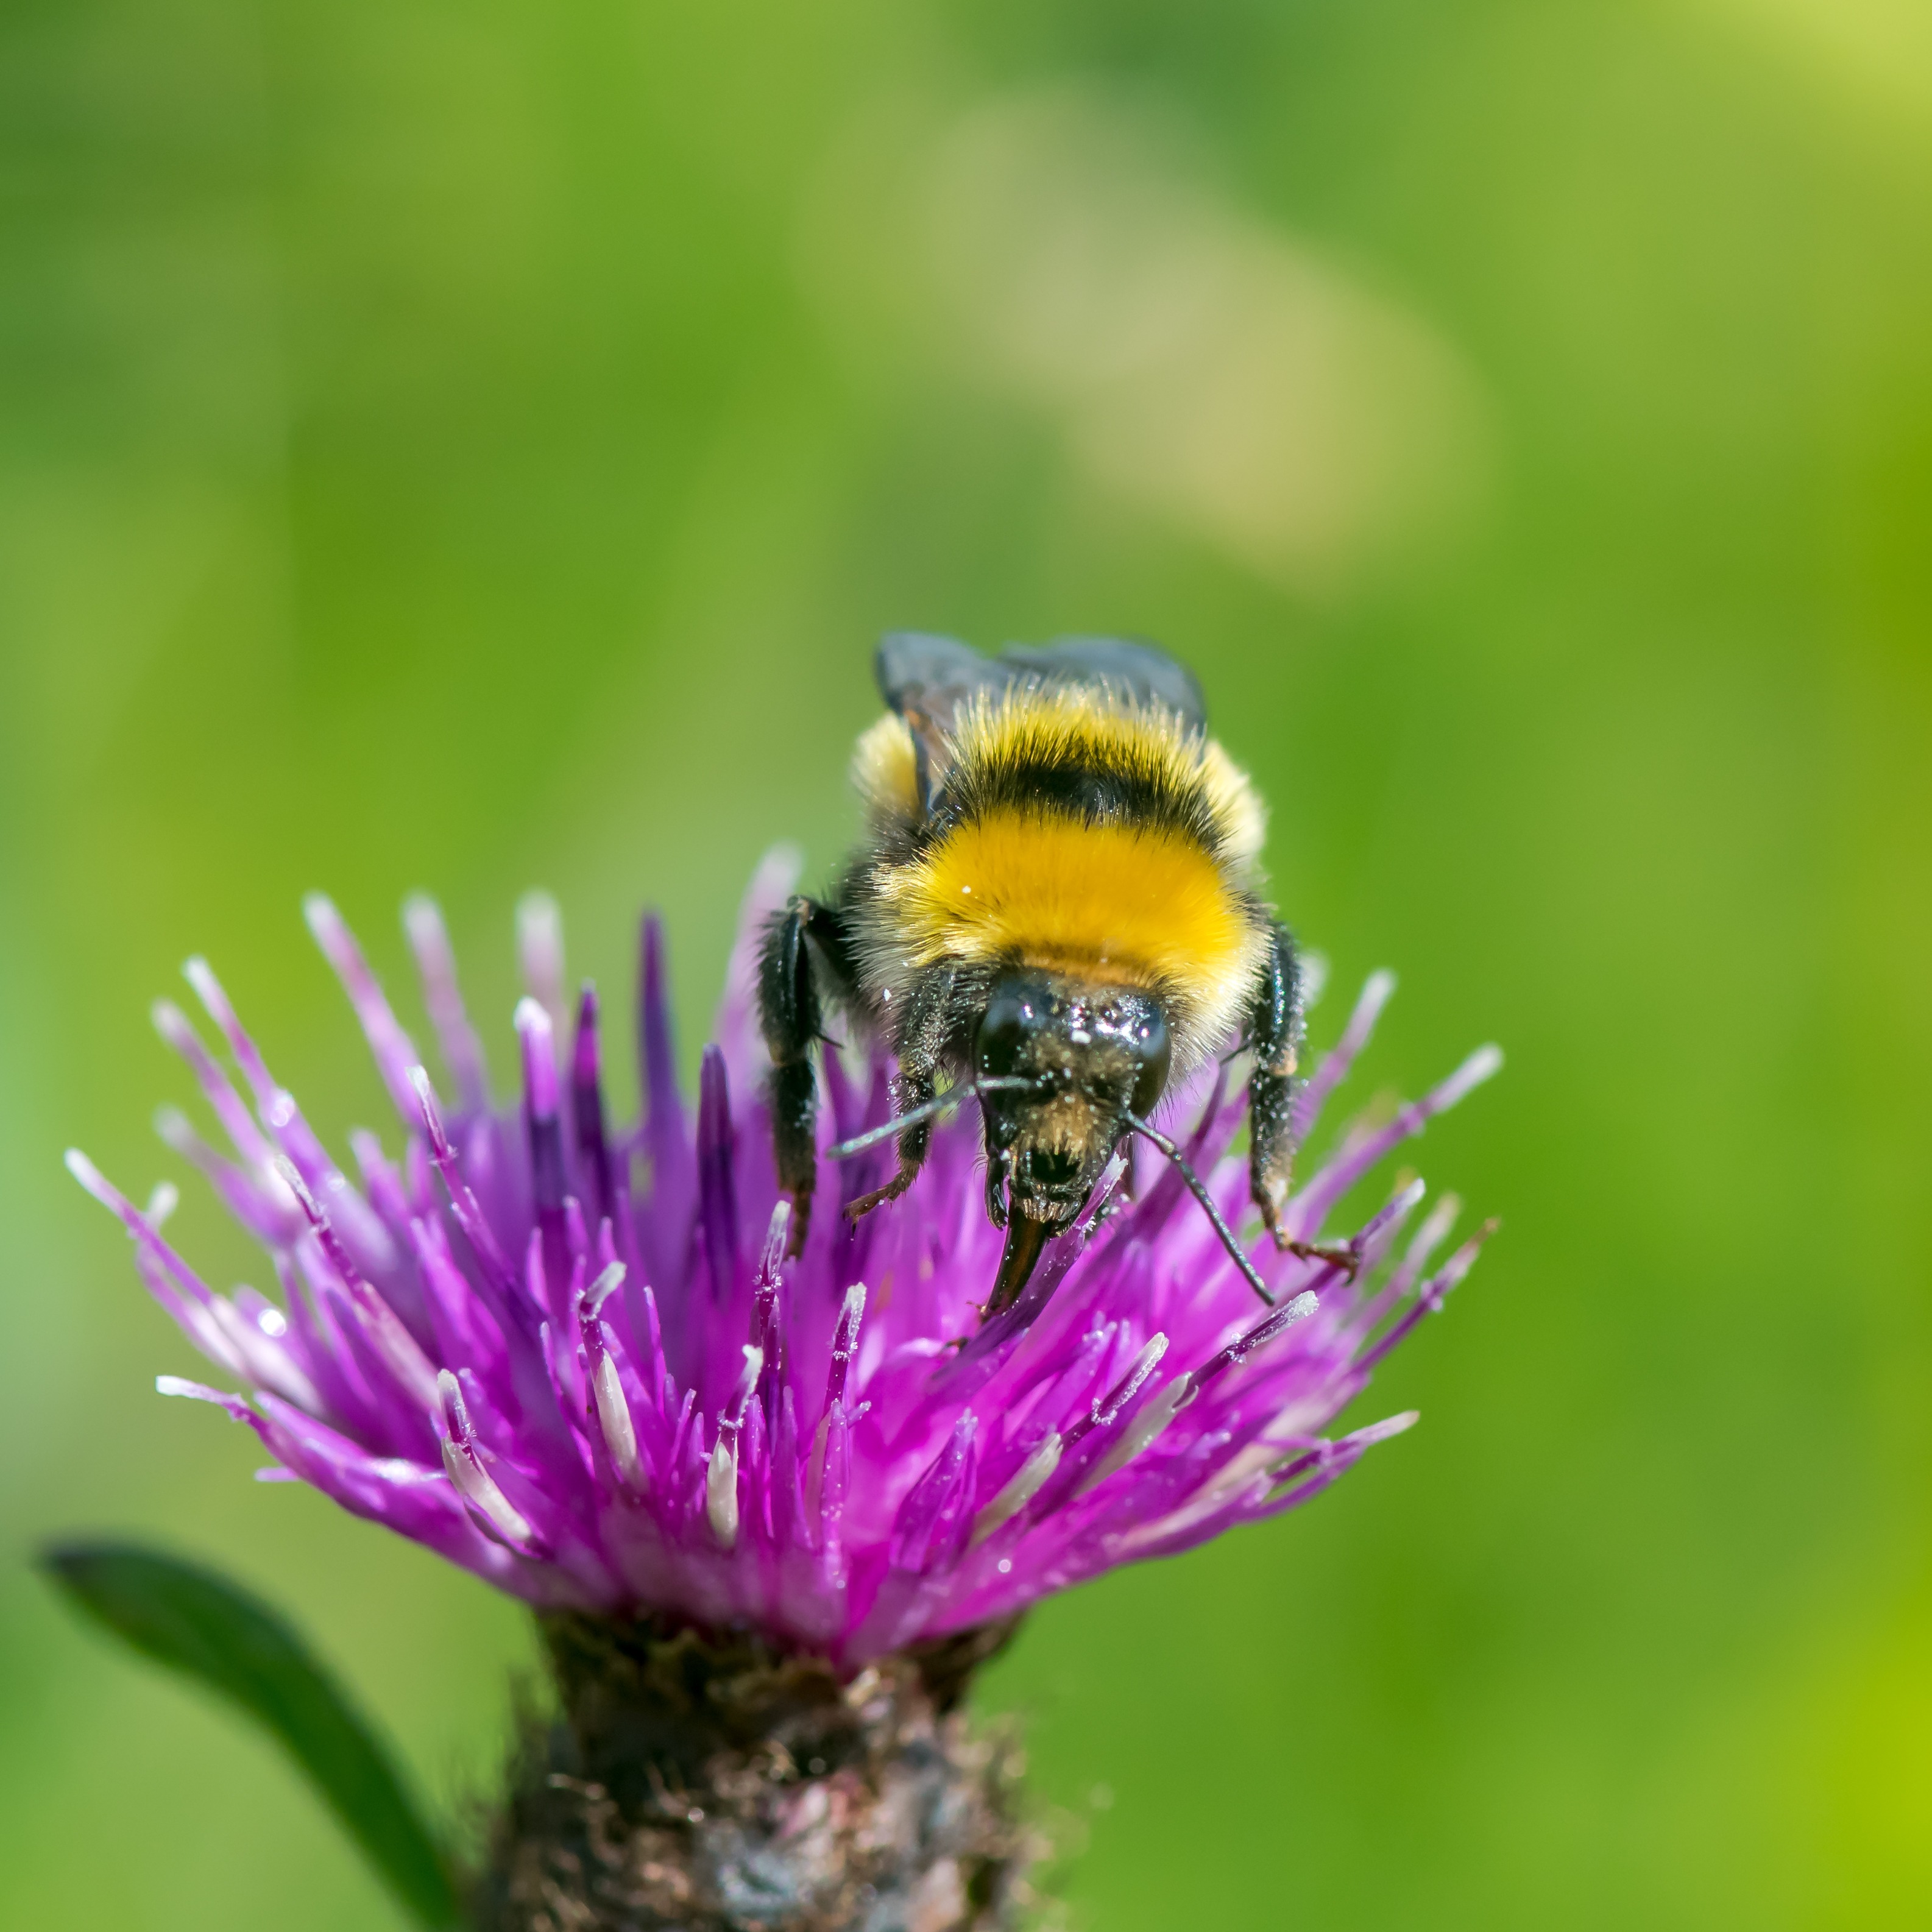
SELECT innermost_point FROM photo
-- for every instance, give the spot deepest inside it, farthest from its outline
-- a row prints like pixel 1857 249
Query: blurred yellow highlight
pixel 1880 48
pixel 1200 365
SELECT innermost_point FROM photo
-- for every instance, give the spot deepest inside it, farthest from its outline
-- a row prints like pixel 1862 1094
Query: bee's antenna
pixel 911 1117
pixel 1196 1187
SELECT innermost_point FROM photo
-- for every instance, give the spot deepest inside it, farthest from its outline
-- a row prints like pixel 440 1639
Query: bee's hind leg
pixel 791 1016
pixel 1275 1034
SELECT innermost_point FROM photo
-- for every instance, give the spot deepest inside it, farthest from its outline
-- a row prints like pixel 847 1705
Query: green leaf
pixel 209 1629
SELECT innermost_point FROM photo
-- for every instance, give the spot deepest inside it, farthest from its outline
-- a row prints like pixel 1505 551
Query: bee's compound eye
pixel 1153 1050
pixel 1003 1028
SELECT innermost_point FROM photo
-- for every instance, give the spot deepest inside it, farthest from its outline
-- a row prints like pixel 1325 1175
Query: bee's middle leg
pixel 1275 1032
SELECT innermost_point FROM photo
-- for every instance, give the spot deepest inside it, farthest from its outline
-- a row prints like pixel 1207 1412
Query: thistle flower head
pixel 573 1358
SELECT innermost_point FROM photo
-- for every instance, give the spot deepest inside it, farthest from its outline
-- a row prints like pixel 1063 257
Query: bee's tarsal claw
pixel 856 1210
pixel 1338 1254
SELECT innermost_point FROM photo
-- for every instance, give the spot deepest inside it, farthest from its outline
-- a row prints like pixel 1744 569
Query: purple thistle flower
pixel 570 1356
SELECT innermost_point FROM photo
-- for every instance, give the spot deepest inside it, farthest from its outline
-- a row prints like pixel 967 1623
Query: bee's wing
pixel 1140 670
pixel 923 675
pixel 918 672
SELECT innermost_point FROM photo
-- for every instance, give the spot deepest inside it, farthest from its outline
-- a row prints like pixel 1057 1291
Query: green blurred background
pixel 472 446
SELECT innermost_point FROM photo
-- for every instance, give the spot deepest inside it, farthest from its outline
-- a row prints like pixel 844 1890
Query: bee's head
pixel 1091 1054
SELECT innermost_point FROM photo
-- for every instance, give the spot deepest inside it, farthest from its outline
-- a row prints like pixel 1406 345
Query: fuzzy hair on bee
pixel 1056 906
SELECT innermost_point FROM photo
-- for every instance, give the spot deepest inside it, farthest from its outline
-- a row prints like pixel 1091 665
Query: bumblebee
pixel 1055 906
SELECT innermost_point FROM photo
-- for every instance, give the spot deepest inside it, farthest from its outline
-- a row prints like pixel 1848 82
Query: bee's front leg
pixel 1275 1034
pixel 922 1034
pixel 999 1165
pixel 913 1088
pixel 803 943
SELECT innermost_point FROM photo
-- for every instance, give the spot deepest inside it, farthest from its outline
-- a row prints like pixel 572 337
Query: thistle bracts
pixel 707 1781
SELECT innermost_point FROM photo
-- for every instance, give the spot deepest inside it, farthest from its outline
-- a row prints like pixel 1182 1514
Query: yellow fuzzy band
pixel 1130 905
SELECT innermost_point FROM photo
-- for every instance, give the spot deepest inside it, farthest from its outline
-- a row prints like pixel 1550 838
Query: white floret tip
pixel 614 1419
pixel 721 1475
pixel 601 1290
pixel 1025 1485
pixel 472 1482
